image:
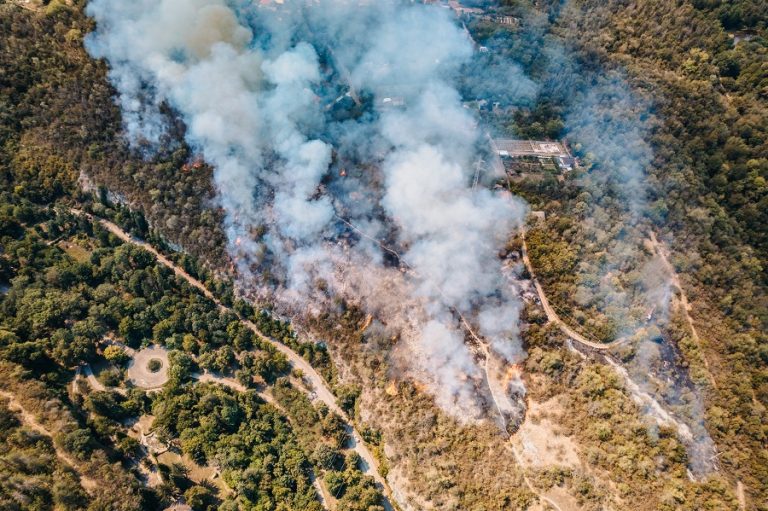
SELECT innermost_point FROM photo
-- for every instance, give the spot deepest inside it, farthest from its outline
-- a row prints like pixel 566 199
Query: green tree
pixel 116 355
pixel 326 457
pixel 198 497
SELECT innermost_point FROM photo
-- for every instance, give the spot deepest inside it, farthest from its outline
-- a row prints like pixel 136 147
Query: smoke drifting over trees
pixel 345 160
pixel 334 128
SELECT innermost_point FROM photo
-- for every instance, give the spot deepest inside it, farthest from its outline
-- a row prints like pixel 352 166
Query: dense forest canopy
pixel 701 69
pixel 698 72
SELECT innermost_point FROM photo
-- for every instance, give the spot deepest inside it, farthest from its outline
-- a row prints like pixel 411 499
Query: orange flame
pixel 513 373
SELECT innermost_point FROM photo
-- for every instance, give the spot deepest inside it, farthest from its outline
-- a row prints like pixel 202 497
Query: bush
pixel 154 365
pixel 346 396
pixel 198 497
pixel 110 377
pixel 116 355
pixel 326 457
pixel 336 483
pixel 79 443
pixel 130 446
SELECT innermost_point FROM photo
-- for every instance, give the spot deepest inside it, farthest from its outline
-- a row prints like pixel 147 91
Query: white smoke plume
pixel 611 122
pixel 342 154
pixel 614 124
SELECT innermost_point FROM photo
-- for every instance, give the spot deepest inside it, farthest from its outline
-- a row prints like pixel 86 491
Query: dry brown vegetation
pixel 65 122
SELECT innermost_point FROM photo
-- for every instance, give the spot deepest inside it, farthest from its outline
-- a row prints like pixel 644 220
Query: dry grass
pixel 75 251
pixel 196 473
pixel 539 442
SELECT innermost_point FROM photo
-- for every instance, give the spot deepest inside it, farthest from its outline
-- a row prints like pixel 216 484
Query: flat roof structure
pixel 515 148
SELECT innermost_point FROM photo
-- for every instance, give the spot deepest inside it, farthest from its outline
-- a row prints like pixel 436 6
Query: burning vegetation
pixel 360 178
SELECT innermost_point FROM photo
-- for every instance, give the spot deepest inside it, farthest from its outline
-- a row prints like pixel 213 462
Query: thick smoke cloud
pixel 342 155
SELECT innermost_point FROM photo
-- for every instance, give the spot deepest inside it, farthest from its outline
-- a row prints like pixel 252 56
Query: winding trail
pixel 320 388
pixel 530 485
pixel 485 351
pixel 741 496
pixel 94 383
pixel 553 317
pixel 30 421
pixel 209 377
pixel 684 303
pixel 225 381
pixel 655 409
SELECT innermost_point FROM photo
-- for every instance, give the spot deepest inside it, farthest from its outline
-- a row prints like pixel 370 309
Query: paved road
pixel 320 388
pixel 552 315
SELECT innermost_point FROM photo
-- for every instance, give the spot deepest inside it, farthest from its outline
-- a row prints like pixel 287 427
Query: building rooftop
pixel 514 148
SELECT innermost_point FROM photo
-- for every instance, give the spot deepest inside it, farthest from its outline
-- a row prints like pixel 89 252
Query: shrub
pixel 155 365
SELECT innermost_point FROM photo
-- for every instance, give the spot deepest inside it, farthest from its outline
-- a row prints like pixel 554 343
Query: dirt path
pixel 235 385
pixel 232 383
pixel 322 492
pixel 741 496
pixel 95 384
pixel 25 4
pixel 92 381
pixel 485 351
pixel 30 421
pixel 530 485
pixel 684 303
pixel 320 388
pixel 559 502
pixel 553 316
